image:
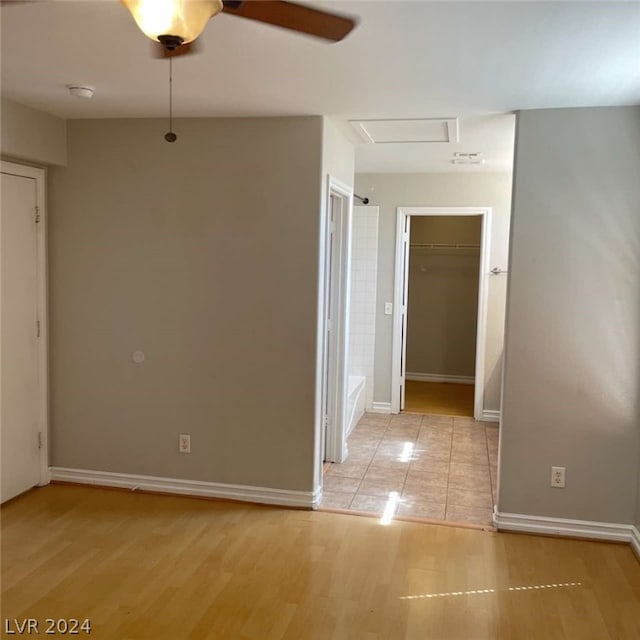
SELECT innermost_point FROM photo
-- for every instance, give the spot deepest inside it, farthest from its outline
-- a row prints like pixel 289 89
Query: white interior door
pixel 332 305
pixel 335 269
pixel 335 384
pixel 20 377
pixel 399 351
pixel 404 309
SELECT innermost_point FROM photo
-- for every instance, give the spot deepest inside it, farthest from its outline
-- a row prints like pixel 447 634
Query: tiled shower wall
pixel 364 272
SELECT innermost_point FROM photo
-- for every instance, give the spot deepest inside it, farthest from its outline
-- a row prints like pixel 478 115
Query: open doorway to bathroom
pixel 333 326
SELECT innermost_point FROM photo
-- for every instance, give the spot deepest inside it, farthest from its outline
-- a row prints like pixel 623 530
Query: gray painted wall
pixel 448 190
pixel 572 350
pixel 442 312
pixel 203 254
pixel 32 136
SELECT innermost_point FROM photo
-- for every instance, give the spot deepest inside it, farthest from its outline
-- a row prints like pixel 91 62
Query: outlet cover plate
pixel 558 477
pixel 184 443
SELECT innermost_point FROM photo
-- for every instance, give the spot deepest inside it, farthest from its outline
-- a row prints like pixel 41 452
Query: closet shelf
pixel 443 245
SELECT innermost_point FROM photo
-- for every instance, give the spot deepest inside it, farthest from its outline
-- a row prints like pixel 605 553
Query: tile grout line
pixel 387 427
pixel 373 455
pixel 446 497
pixel 379 439
pixel 486 441
pixel 408 467
pixel 488 466
pixel 415 442
pixel 444 516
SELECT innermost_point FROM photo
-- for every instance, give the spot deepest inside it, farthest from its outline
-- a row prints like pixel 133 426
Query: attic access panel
pixel 390 131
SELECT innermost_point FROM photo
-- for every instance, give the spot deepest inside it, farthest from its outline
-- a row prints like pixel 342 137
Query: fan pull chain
pixel 170 136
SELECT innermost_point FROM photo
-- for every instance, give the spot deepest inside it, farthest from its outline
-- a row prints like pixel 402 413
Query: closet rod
pixel 444 245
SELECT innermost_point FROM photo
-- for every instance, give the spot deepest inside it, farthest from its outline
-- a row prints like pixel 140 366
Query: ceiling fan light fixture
pixel 182 19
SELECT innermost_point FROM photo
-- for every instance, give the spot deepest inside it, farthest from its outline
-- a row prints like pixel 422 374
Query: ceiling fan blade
pixel 159 51
pixel 296 17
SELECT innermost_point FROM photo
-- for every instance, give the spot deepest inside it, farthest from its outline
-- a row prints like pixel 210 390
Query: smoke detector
pixel 81 91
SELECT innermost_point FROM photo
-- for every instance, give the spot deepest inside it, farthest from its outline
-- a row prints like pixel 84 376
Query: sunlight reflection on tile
pixel 390 508
pixel 407 451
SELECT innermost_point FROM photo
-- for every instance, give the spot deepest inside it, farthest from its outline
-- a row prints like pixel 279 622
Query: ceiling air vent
pixel 407 131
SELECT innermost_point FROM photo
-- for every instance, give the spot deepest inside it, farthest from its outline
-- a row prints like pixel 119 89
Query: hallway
pixel 433 467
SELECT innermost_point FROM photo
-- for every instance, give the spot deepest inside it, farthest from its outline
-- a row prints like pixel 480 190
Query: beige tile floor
pixel 440 468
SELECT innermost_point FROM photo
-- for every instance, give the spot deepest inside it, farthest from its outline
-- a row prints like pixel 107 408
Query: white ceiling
pixel 478 61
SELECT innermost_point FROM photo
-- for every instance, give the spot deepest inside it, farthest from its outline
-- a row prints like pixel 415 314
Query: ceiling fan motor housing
pixel 170 43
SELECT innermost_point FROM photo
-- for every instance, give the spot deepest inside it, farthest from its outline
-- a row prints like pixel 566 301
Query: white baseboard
pixel 263 495
pixel 635 541
pixel 565 527
pixel 491 415
pixel 381 407
pixel 437 377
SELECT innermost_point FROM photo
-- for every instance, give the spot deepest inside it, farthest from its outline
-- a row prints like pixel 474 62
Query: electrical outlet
pixel 558 477
pixel 184 443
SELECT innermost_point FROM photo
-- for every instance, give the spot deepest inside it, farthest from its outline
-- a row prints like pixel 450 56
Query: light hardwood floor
pixel 439 398
pixel 158 567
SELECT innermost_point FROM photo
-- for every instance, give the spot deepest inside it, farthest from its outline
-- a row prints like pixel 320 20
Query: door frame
pixel 39 175
pixel 398 356
pixel 331 438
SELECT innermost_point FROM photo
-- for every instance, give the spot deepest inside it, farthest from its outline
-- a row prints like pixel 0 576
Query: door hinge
pixel 37 328
pixel 37 213
pixel 39 439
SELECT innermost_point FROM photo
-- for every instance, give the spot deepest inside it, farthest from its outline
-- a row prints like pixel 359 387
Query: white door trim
pixel 400 291
pixel 334 433
pixel 39 176
pixel 398 364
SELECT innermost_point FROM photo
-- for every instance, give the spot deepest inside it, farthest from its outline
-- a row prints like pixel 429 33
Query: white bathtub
pixel 356 400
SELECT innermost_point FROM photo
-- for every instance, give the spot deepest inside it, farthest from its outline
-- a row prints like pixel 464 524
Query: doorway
pixel 439 468
pixel 23 376
pixel 399 378
pixel 333 330
pixel 442 308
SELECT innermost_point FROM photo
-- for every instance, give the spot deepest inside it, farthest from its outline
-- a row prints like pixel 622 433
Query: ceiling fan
pixel 175 24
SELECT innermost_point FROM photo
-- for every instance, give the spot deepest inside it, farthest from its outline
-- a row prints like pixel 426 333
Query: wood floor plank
pixel 440 398
pixel 141 567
